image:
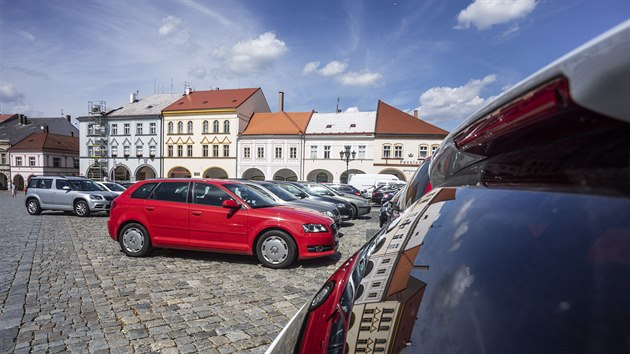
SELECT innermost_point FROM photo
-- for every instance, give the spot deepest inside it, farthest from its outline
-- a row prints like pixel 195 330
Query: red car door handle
pixel 149 208
pixel 196 213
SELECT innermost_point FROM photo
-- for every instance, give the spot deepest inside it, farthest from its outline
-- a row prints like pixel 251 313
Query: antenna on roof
pixel 337 110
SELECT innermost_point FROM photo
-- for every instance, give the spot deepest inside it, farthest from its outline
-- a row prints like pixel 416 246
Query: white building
pixel 133 140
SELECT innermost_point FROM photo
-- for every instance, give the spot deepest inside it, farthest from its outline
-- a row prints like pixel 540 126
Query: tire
pixel 81 208
pixel 134 240
pixel 276 249
pixel 32 206
pixel 355 212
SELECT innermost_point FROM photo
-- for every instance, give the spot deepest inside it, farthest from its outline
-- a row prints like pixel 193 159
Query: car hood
pixel 308 216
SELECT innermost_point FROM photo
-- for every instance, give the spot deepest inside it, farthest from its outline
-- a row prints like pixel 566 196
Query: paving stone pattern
pixel 65 286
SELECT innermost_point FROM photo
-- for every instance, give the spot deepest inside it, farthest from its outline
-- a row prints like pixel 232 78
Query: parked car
pixel 217 216
pixel 71 194
pixel 345 208
pixel 522 245
pixel 344 188
pixel 360 206
pixel 281 196
pixel 112 187
pixel 126 184
pixel 384 192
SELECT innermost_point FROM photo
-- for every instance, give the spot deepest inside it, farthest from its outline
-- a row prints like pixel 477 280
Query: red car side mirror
pixel 230 204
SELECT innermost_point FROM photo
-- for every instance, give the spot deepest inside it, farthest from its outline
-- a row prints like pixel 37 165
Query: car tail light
pixel 535 106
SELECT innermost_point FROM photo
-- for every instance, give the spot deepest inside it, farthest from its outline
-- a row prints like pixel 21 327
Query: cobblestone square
pixel 65 286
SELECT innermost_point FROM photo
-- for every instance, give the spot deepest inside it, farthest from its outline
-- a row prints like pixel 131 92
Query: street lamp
pixel 345 155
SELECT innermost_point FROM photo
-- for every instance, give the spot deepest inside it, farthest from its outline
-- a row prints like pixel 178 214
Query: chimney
pixel 133 97
pixel 415 113
pixel 281 101
pixel 69 118
pixel 188 90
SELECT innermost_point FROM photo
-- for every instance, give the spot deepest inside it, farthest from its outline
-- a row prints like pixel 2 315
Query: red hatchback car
pixel 218 216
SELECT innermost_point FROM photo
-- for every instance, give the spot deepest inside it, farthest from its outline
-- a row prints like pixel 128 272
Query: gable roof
pixel 342 123
pixel 5 117
pixel 151 105
pixel 213 99
pixel 392 121
pixel 14 131
pixel 278 123
pixel 47 141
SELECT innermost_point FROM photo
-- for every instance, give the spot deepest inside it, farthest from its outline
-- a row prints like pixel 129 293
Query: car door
pixel 45 191
pixel 62 197
pixel 215 227
pixel 166 211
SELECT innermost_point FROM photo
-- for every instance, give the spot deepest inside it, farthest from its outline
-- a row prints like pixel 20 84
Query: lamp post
pixel 347 156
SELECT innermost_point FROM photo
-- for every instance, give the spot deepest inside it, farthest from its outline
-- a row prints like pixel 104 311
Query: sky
pixel 444 58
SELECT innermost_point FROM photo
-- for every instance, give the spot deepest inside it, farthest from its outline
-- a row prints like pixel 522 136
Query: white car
pixel 113 187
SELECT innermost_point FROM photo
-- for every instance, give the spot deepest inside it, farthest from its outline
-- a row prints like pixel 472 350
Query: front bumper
pixel 364 210
pixel 99 205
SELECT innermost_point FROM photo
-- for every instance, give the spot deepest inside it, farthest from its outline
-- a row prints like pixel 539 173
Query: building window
pixel 76 162
pixel 127 148
pixel 206 128
pixel 422 151
pixel 180 127
pixel 190 127
pixel 226 126
pixel 226 150
pixel 398 151
pixel 180 150
pixel 205 151
pixel 152 150
pixel 170 127
pixel 293 152
pixel 313 151
pixel 18 161
pixel 261 153
pixel 170 151
pixel 361 154
pixel 152 128
pixel 139 150
pixel 387 150
pixel 278 152
pixel 31 161
pixel 189 150
pixel 215 150
pixel 56 162
pixel 114 150
pixel 90 151
pixel 247 152
pixel 90 129
pixel 434 149
pixel 326 151
pixel 127 128
pixel 138 128
pixel 215 126
pixel 114 129
pixel 4 159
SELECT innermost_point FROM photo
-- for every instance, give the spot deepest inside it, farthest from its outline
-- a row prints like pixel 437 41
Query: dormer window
pixel 328 126
pixel 353 125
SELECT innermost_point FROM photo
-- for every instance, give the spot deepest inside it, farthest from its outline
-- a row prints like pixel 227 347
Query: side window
pixel 172 192
pixel 60 183
pixel 144 191
pixel 45 183
pixel 33 183
pixel 207 194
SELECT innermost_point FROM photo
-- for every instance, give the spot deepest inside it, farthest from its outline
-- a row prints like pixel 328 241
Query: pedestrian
pixel 13 190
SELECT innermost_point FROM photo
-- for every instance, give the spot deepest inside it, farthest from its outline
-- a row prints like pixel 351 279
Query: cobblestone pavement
pixel 65 286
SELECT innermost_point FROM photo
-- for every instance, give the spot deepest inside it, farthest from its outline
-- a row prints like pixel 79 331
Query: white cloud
pixel 333 68
pixel 26 35
pixel 360 79
pixel 484 14
pixel 252 56
pixel 310 67
pixel 198 72
pixel 454 103
pixel 170 25
pixel 206 11
pixel 352 110
pixel 10 94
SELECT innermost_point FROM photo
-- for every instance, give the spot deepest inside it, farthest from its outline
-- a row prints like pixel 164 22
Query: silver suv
pixel 70 194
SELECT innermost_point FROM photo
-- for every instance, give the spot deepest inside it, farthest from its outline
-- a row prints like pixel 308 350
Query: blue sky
pixel 445 58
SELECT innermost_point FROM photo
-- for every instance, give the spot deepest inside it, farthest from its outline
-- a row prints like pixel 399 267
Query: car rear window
pixel 42 183
pixel 143 191
pixel 171 192
pixel 524 272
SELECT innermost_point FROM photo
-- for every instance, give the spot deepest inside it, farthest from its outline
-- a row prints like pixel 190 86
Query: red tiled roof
pixel 5 117
pixel 213 99
pixel 278 123
pixel 47 141
pixel 390 120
